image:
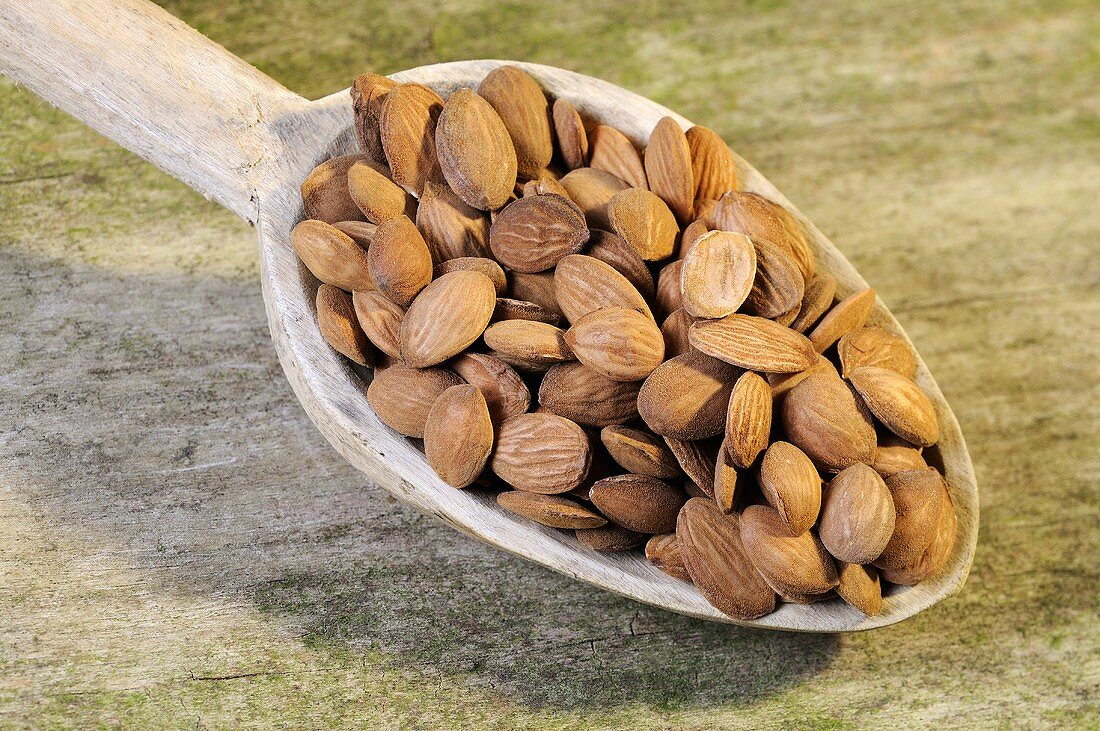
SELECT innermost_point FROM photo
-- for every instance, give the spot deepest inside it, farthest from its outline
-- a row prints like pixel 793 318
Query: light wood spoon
pixel 148 81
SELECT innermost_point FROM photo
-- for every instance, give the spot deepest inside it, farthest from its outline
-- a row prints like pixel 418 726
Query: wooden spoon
pixel 146 80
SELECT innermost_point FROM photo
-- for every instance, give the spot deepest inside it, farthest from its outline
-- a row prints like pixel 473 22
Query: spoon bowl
pixel 235 135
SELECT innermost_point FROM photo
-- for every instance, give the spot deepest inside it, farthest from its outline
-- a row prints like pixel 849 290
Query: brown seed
pixel 670 293
pixel 338 324
pixel 325 191
pixel 611 151
pixel 825 419
pixel 664 552
pixel 848 315
pixel 542 453
pixel 860 587
pixel 893 454
pixel 582 395
pixel 614 251
pixel 572 139
pixel 402 397
pixel 399 260
pixel 583 284
pixel 446 318
pixel 380 319
pixel 331 255
pixel 488 267
pixel 361 232
pixel 936 555
pixel 898 403
pixel 816 301
pixel 533 234
pixel 698 460
pixel 506 395
pixel 918 501
pixel 781 383
pixel 667 164
pixel 458 435
pixel 873 346
pixel 610 538
pixel 675 331
pixel 753 343
pixel 686 397
pixel 713 168
pixel 475 152
pixel 691 236
pixel 748 419
pixel 544 185
pixel 717 274
pixel 643 504
pixel 788 317
pixel 592 190
pixel 367 94
pixel 761 219
pixel 549 510
pixel 779 286
pixel 792 565
pixel 375 194
pixel 522 105
pixel 639 452
pixel 535 342
pixel 791 485
pixel 717 561
pixel 619 343
pixel 407 130
pixel 537 288
pixel 704 212
pixel 857 515
pixel 645 222
pixel 451 228
pixel 512 309
pixel 726 483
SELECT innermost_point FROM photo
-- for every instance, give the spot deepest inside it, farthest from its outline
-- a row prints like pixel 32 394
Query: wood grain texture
pixel 280 150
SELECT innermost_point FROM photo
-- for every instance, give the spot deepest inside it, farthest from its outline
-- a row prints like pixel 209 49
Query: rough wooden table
pixel 180 548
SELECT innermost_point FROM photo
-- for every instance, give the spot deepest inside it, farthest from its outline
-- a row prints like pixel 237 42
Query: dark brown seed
pixel 581 394
pixel 663 551
pixel 533 234
pixel 640 452
pixel 643 504
pixel 549 510
pixel 610 538
pixel 339 325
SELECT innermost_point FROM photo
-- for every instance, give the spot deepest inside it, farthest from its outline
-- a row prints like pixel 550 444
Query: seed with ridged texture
pixel 716 559
pixel 918 499
pixel 614 251
pixel 663 551
pixel 451 228
pixel 857 515
pixel 542 453
pixel 825 419
pixel 639 452
pixel 873 346
pixel 399 260
pixel 534 342
pixel 550 510
pixel 578 393
pixel 522 106
pixel 446 318
pixel 380 319
pixel 572 139
pixel 748 419
pixel 506 395
pixel 619 343
pixel 686 397
pixel 458 435
pixel 667 163
pixel 535 233
pixel 645 222
pixel 331 256
pixel 849 314
pixel 698 459
pixel 407 130
pixel 376 195
pixel 643 504
pixel 753 343
pixel 367 94
pixel 761 219
pixel 475 151
pixel 403 396
pixel 339 325
pixel 583 284
pixel 898 403
pixel 713 168
pixel 779 285
pixel 791 485
pixel 325 191
pixel 936 555
pixel 610 150
pixel 792 565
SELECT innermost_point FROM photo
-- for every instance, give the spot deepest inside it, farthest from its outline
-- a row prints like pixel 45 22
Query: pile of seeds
pixel 624 343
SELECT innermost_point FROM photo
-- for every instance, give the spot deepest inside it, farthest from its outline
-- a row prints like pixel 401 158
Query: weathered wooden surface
pixel 172 519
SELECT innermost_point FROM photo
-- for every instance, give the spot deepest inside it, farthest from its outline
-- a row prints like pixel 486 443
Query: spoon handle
pixel 136 74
